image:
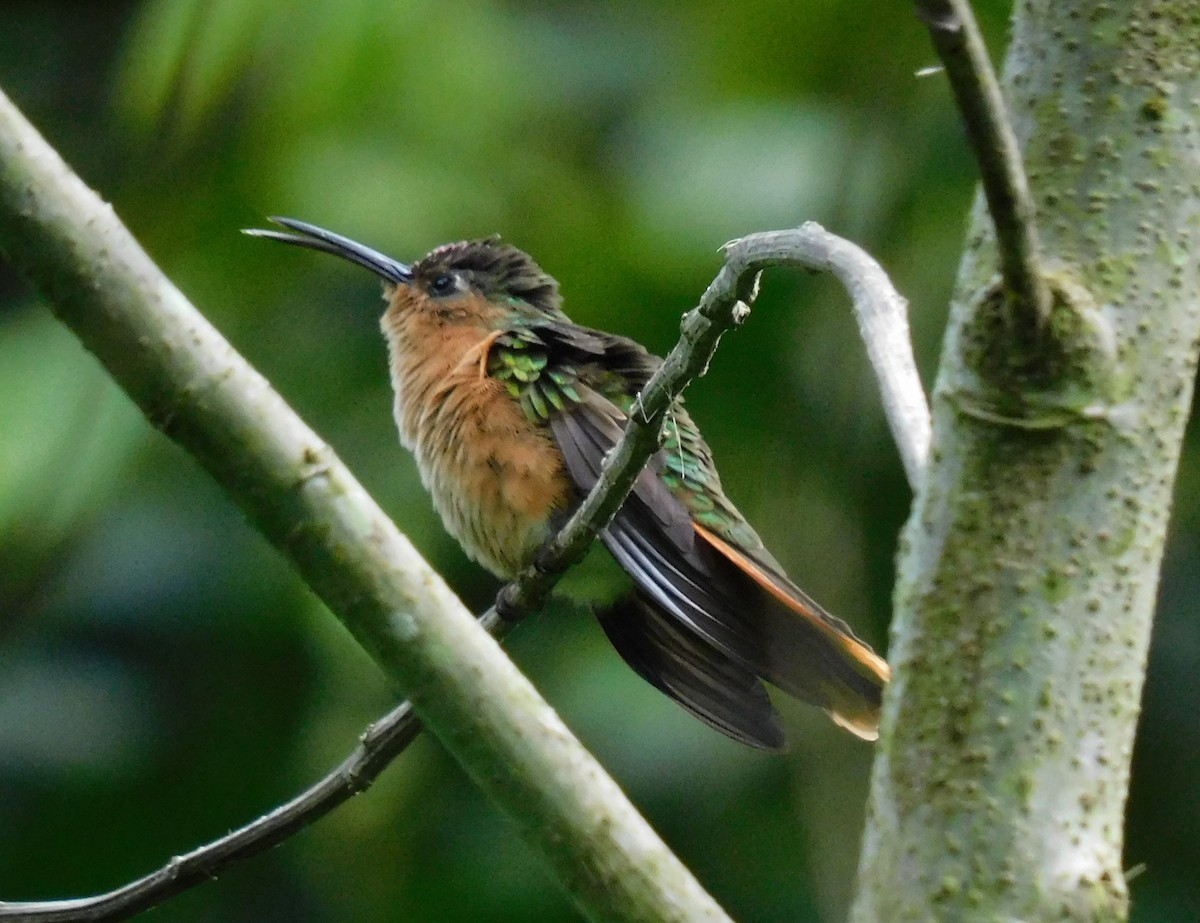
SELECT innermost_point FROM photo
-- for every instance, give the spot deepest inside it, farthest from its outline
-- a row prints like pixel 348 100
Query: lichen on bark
pixel 1029 566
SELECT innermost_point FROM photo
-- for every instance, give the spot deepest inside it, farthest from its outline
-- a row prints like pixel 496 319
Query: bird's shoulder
pixel 552 365
pixel 555 367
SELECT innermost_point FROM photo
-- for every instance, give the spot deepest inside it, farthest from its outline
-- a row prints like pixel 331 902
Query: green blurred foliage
pixel 163 674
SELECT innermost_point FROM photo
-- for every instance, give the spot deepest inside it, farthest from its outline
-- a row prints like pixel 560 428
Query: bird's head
pixel 452 280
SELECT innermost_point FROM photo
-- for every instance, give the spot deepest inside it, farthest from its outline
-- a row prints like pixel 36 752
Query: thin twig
pixel 382 742
pixel 959 44
pixel 882 320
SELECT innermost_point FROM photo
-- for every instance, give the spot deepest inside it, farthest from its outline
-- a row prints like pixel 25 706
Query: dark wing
pixel 680 663
pixel 809 653
pixel 723 611
pixel 661 643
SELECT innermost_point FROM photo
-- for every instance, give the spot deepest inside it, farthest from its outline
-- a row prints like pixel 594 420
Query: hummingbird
pixel 510 408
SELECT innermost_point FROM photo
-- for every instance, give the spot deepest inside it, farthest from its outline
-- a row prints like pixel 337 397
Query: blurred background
pixel 165 677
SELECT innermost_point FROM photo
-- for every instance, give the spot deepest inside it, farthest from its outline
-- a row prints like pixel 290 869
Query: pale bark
pixel 1029 566
pixel 192 384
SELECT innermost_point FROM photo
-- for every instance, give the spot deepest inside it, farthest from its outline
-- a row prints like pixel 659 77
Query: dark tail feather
pixel 809 653
pixel 691 671
pixel 711 613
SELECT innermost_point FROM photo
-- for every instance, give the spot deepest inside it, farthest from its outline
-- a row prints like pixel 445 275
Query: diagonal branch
pixel 882 319
pixel 189 381
pixel 959 44
pixel 380 744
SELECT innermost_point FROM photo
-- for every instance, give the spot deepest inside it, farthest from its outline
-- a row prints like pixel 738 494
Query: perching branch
pixel 722 305
pixel 959 44
pixel 193 386
pixel 883 322
pixel 882 319
pixel 881 315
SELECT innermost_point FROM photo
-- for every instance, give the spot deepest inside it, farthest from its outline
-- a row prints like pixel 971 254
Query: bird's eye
pixel 442 285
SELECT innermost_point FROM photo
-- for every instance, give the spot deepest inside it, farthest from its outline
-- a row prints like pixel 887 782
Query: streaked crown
pixel 496 270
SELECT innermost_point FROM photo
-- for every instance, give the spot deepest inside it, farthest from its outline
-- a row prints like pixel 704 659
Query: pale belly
pixel 497 480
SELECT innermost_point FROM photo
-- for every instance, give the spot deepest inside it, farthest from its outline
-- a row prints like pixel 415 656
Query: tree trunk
pixel 1029 566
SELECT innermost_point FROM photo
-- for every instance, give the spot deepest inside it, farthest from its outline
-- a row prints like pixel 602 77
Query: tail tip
pixel 864 726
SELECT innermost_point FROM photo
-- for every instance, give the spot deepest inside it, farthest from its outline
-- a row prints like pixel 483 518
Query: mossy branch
pixel 1028 568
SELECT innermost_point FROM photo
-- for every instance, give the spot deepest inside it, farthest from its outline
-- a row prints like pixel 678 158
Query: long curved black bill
pixel 315 238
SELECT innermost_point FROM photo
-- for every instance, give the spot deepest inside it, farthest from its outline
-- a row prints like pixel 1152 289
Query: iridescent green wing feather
pixel 543 363
pixel 522 360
